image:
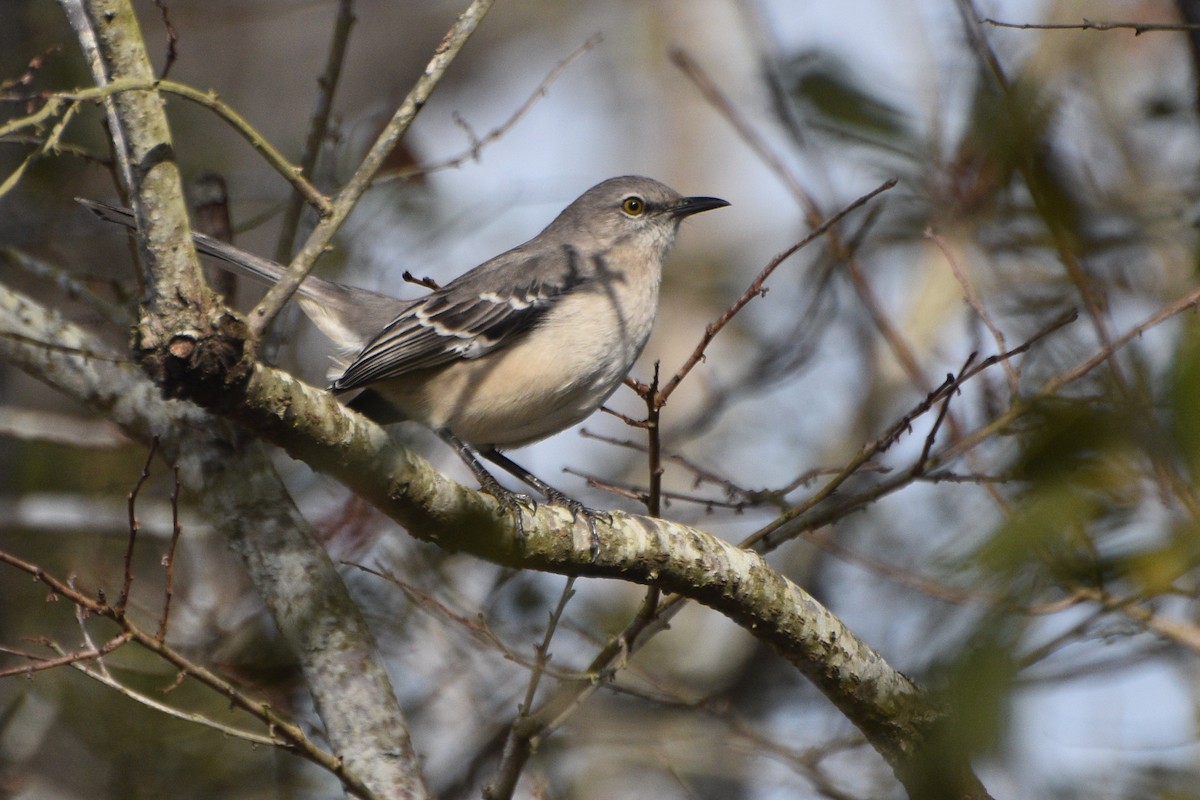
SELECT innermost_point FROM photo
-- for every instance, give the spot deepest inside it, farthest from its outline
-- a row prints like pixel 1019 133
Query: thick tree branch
pixel 290 568
pixel 893 713
pixel 244 497
pixel 171 273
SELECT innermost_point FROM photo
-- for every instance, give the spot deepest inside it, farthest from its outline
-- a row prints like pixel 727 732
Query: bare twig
pixel 172 39
pixel 756 141
pixel 700 474
pixel 919 467
pixel 1092 299
pixel 319 127
pixel 654 467
pixel 34 66
pixel 50 143
pixel 884 569
pixel 69 284
pixel 445 53
pixel 518 743
pixel 641 494
pixel 283 733
pixel 65 103
pixel 53 347
pixel 766 538
pixel 134 526
pixel 758 287
pixel 813 212
pixel 427 282
pixel 1138 28
pixel 542 653
pixel 85 654
pixel 975 302
pixel 1105 353
pixel 479 142
pixel 476 627
pixel 628 420
pixel 169 559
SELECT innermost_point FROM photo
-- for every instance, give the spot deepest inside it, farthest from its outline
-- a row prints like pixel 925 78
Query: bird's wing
pixel 459 321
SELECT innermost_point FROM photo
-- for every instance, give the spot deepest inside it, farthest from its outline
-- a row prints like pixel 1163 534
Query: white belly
pixel 552 378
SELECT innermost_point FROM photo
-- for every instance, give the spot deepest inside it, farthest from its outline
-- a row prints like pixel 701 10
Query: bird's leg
pixel 550 493
pixel 508 500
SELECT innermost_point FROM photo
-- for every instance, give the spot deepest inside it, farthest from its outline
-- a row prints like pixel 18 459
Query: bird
pixel 515 350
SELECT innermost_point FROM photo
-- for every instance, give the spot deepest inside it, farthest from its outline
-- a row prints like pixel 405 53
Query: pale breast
pixel 551 378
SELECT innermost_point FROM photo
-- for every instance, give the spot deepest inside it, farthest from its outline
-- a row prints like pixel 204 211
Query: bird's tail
pixel 259 269
pixel 347 315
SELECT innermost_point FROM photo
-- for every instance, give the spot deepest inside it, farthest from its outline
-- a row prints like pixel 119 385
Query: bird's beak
pixel 694 205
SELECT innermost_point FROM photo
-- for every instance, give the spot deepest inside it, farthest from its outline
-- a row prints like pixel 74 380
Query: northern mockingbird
pixel 521 347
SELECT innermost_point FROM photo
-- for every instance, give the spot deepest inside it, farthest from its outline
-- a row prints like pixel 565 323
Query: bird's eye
pixel 633 205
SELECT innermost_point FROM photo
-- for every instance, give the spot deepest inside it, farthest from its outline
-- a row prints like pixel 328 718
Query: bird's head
pixel 631 208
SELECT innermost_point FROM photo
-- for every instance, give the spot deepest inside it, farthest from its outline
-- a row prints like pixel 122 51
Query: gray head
pixel 631 206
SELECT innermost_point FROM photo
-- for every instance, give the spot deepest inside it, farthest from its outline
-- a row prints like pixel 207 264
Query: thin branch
pixel 758 287
pixel 512 764
pixel 653 428
pixel 891 572
pixel 172 38
pixel 319 127
pixel 700 474
pixel 1039 160
pixel 1180 632
pixel 427 282
pixel 641 494
pixel 1105 353
pixel 70 285
pixel 44 426
pixel 1138 28
pixel 478 143
pixel 444 54
pixel 40 663
pixel 787 524
pixel 169 558
pixel 64 103
pixel 284 733
pixel 542 653
pixel 976 303
pixel 931 437
pixel 50 143
pixel 756 141
pixel 104 677
pixel 134 525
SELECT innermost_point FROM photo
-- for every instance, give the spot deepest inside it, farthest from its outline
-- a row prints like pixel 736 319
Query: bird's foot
pixel 578 510
pixel 511 502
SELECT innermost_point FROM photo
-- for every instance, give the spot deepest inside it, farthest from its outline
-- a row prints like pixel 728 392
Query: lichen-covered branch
pixel 245 498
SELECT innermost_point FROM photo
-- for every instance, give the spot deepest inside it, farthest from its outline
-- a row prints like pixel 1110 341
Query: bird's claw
pixel 516 503
pixel 577 510
pixel 513 503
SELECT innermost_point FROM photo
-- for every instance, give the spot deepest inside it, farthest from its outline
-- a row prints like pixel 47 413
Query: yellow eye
pixel 633 205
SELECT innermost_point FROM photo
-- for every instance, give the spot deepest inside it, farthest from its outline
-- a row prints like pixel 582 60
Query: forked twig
pixel 443 55
pixel 283 733
pixel 134 527
pixel 758 287
pixel 169 559
pixel 480 142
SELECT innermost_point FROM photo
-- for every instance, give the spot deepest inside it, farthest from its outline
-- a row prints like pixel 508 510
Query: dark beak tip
pixel 694 205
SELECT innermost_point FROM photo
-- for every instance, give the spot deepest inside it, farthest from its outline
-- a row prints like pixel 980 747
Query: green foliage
pixel 1184 398
pixel 829 94
pixel 1079 467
